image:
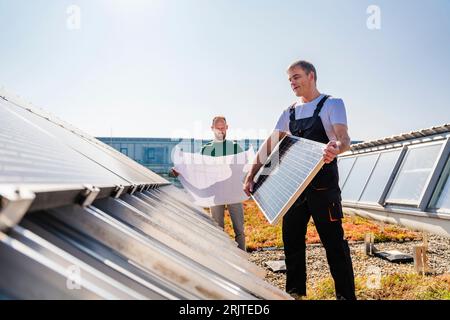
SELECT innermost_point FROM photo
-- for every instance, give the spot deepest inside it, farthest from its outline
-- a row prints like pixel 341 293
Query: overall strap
pixel 292 112
pixel 320 105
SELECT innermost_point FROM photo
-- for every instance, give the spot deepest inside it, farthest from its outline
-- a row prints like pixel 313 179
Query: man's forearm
pixel 343 144
pixel 254 168
pixel 342 138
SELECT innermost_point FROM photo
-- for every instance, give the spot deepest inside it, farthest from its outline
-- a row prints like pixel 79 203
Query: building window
pixel 155 155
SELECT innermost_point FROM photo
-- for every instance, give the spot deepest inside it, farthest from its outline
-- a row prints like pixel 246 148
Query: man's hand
pixel 174 173
pixel 330 152
pixel 248 185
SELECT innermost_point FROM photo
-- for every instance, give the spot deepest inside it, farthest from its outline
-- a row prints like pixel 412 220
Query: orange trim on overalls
pixel 331 218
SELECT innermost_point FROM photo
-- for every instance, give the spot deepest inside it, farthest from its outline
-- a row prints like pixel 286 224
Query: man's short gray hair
pixel 308 67
pixel 218 118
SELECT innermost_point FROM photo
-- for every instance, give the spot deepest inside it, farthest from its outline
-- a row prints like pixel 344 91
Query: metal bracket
pixel 369 244
pixel 118 191
pixel 14 203
pixel 88 195
pixel 133 189
pixel 142 188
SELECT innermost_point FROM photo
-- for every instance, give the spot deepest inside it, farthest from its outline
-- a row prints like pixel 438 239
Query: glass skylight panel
pixel 380 176
pixel 413 174
pixel 441 197
pixel 344 167
pixel 358 176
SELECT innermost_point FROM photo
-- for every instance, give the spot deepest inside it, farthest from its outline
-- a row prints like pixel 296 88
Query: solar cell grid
pixel 288 171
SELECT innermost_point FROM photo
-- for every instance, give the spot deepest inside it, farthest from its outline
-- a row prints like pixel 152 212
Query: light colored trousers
pixel 237 217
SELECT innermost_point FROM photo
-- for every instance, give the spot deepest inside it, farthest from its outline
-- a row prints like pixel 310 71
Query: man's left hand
pixel 330 152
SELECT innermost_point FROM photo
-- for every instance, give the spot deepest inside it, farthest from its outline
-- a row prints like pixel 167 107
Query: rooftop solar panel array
pixel 30 156
pixel 79 220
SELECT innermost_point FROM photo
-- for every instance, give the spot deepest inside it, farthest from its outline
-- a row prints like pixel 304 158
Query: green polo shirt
pixel 222 148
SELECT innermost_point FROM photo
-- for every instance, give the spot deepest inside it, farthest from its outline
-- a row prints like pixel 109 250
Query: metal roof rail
pixel 423 133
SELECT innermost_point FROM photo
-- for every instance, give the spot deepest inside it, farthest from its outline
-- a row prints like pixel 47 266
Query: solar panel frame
pixel 180 213
pixel 149 253
pixel 93 284
pixel 194 245
pixel 25 277
pixel 210 238
pixel 282 153
pixel 100 257
pixel 181 224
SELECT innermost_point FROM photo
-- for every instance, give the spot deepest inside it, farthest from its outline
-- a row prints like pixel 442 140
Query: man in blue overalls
pixel 320 118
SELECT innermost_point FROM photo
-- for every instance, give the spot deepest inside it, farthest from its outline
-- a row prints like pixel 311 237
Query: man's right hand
pixel 174 173
pixel 248 185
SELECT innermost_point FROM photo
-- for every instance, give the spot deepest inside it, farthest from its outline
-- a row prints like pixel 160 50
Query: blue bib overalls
pixel 322 201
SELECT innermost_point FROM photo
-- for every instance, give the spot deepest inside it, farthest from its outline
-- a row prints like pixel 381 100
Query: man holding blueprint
pixel 214 177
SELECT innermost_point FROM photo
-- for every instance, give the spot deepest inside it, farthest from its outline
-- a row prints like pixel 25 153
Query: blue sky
pixel 162 68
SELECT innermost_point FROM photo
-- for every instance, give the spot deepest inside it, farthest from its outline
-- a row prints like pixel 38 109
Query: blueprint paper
pixel 212 181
